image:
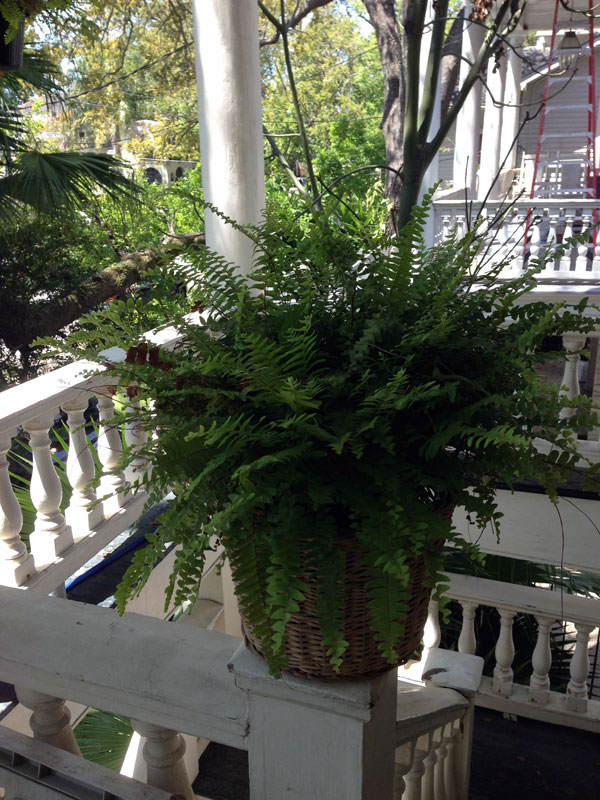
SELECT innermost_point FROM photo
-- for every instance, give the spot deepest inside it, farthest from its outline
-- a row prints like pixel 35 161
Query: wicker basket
pixel 304 651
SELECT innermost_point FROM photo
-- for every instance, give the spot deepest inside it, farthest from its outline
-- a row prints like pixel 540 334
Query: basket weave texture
pixel 304 651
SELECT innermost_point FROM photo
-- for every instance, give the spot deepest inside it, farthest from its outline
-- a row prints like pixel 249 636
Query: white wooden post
pixel 577 694
pixel 110 448
pixel 163 753
pixel 230 118
pixel 572 342
pixel 80 514
pixel 50 720
pixel 541 661
pixel 318 740
pixel 512 98
pixel 136 437
pixel 51 535
pixel 16 564
pixel 468 120
pixel 505 653
pixel 429 763
pixel 492 123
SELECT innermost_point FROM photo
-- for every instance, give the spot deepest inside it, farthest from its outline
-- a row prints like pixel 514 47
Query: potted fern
pixel 324 420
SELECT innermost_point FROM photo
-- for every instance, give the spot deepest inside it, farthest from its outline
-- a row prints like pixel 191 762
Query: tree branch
pixel 21 326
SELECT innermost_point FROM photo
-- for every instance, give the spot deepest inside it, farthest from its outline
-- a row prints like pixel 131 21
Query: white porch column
pixel 318 740
pixel 468 122
pixel 492 124
pixel 512 97
pixel 432 173
pixel 230 118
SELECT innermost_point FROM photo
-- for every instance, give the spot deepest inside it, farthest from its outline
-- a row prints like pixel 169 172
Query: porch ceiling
pixel 539 16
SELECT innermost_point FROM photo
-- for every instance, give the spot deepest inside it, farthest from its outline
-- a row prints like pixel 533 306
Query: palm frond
pixel 46 181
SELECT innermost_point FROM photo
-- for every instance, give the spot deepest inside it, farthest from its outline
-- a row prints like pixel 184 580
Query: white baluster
pixel 432 633
pixel 541 661
pixel 568 257
pixel 414 777
pixel 466 641
pixel 429 763
pixel 535 242
pixel 596 261
pixel 403 761
pixel 577 693
pixel 552 242
pixel 136 437
pixel 440 767
pixel 163 753
pixel 584 248
pixel 50 720
pixel 446 225
pixel 80 514
pixel 51 535
pixel 501 249
pixel 505 653
pixel 572 342
pixel 16 564
pixel 110 449
pixel 451 732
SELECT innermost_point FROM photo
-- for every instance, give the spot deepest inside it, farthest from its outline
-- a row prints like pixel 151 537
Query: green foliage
pixel 104 738
pixel 353 388
pixel 17 11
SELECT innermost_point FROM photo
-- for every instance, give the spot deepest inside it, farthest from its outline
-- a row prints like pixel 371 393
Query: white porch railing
pixel 319 740
pixel 535 699
pixel 529 229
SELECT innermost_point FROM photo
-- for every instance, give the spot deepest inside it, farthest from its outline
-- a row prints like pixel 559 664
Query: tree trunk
pixel 19 327
pixel 392 53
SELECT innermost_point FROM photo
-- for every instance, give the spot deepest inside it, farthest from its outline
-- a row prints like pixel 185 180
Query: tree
pixel 410 142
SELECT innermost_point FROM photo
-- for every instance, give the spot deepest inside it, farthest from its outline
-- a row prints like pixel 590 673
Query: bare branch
pixel 301 11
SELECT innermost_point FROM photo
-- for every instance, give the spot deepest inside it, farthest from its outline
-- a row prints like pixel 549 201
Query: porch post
pixel 318 740
pixel 492 123
pixel 511 111
pixel 230 119
pixel 468 122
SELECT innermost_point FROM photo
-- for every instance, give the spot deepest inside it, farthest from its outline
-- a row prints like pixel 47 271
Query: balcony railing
pixel 528 229
pixel 55 651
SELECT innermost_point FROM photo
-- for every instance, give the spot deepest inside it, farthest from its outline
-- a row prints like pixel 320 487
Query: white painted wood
pixel 510 112
pixel 555 712
pixel 231 614
pixel 429 764
pixel 450 734
pixel 51 536
pixel 490 158
pixel 451 670
pixel 50 719
pixel 110 448
pixel 466 146
pixel 48 578
pixel 80 515
pixel 190 691
pixel 505 653
pixel 230 120
pixel 16 564
pixel 531 529
pixel 403 761
pixel 440 767
pixel 352 723
pixel 136 436
pixel 528 599
pixel 541 661
pixel 466 640
pixel 572 342
pixel 432 633
pixel 163 753
pixel 413 779
pixel 577 693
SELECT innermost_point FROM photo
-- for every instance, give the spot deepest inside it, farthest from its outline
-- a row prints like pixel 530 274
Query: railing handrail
pixel 173 676
pixel 525 599
pixel 522 202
